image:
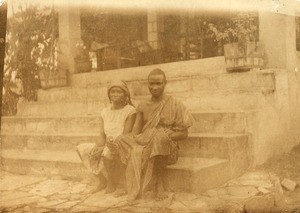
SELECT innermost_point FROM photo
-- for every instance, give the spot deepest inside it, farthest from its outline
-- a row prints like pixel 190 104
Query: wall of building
pixel 271 127
pixel 293 67
pixel 278 34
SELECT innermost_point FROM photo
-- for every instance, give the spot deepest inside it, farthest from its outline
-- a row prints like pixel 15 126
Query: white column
pixel 69 35
pixel 155 27
pixel 277 31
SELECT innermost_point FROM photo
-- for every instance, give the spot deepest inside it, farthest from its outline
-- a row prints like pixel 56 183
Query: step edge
pixel 33 157
pixel 98 115
pixel 216 162
pixel 41 155
pixel 71 134
pixel 38 134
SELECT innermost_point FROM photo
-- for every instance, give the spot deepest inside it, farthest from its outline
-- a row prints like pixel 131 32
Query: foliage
pixel 30 45
pixel 243 27
pixel 192 31
pixel 112 27
pixel 82 53
pixel 125 29
pixel 9 99
pixel 199 31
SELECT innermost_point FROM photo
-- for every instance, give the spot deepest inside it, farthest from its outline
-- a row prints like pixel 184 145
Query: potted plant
pixel 51 74
pixel 82 59
pixel 51 77
pixel 242 50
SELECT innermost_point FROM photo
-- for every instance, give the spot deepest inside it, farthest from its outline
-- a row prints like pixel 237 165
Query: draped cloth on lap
pixel 137 151
pixel 93 164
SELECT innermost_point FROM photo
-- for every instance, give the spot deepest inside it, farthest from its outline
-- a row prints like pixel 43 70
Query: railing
pixel 140 54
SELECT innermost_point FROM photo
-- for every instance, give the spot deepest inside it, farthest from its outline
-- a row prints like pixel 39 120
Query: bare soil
pixel 285 166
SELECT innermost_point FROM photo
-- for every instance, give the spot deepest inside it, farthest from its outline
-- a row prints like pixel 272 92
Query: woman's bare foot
pixel 110 187
pixel 98 188
pixel 120 192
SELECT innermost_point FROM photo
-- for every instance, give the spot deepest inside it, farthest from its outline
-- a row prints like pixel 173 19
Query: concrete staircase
pixel 41 139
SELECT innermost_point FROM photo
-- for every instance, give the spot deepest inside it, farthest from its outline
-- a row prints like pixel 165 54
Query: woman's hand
pixel 95 150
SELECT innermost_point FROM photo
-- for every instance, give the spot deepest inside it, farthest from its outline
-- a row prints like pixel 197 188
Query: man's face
pixel 156 85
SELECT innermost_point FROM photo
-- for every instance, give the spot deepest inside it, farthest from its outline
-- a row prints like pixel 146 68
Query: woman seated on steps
pixel 117 119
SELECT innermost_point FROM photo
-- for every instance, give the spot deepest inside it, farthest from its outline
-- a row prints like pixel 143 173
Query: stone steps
pixel 41 139
pixel 199 174
pixel 51 142
pixel 219 122
pixel 204 122
pixel 194 101
pixel 43 162
pixel 214 145
pixel 197 145
pixel 59 109
pixel 209 83
pixel 50 125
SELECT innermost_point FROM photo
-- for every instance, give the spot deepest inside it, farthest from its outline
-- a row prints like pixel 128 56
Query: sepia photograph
pixel 141 106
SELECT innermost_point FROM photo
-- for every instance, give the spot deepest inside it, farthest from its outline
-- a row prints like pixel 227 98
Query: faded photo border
pixel 3 18
pixel 289 8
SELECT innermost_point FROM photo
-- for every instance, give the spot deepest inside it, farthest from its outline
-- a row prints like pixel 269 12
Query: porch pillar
pixel 155 28
pixel 69 35
pixel 277 31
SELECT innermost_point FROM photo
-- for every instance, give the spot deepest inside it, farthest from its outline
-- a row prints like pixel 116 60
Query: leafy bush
pixel 242 27
pixel 30 45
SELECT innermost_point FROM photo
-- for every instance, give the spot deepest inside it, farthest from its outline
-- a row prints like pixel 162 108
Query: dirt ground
pixel 286 166
pixel 258 190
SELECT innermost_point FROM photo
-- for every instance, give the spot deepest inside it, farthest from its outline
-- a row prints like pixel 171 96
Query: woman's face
pixel 117 95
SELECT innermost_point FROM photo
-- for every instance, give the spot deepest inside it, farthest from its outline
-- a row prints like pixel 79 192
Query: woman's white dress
pixel 113 126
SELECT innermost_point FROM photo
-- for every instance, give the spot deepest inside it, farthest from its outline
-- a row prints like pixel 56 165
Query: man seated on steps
pixel 161 121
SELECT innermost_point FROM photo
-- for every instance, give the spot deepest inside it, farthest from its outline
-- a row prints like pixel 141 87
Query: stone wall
pixel 272 127
pixel 293 67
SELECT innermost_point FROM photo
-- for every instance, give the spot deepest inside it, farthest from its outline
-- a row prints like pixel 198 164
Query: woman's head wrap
pixel 123 86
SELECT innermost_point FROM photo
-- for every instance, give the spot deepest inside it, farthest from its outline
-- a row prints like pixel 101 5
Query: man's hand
pixel 176 135
pixel 169 132
pixel 113 147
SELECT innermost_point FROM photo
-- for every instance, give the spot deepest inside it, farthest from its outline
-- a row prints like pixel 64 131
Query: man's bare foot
pixel 130 200
pixel 161 194
pixel 120 192
pixel 110 188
